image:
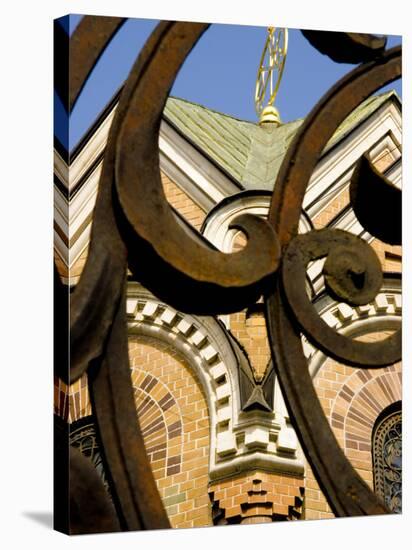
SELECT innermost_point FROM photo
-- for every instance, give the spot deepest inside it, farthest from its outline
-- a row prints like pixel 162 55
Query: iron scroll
pixel 133 227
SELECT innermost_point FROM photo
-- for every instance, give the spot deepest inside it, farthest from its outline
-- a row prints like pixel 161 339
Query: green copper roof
pixel 357 116
pixel 267 150
pixel 249 153
pixel 223 138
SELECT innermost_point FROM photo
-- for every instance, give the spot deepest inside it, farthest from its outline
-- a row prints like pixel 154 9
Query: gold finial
pixel 269 74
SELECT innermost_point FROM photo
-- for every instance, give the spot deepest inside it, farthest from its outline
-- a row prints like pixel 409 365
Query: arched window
pixel 387 457
pixel 83 437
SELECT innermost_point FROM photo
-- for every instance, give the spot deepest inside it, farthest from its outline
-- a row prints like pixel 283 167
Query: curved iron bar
pixel 98 343
pixel 98 324
pixel 156 247
pixel 87 44
pixel 352 274
pixel 213 282
pixel 136 497
pixel 367 182
pixel 85 513
pixel 96 300
pixel 346 47
pixel 345 491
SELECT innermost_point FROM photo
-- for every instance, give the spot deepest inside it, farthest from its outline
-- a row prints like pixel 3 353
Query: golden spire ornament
pixel 269 75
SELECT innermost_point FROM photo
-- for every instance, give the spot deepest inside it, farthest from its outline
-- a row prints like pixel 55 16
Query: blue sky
pixel 219 73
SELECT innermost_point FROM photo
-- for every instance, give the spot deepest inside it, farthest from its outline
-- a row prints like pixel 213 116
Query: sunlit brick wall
pixel 175 424
pixel 249 328
pixel 257 497
pixel 174 419
pixel 352 399
pixel 182 203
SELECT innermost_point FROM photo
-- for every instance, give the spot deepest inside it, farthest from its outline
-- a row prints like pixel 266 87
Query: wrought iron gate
pixel 133 227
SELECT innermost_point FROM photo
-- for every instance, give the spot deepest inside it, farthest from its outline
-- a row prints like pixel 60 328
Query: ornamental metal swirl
pixel 133 226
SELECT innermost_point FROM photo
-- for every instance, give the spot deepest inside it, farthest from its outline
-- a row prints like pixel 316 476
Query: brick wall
pixel 175 424
pixel 181 202
pixel 332 209
pixel 249 328
pixel 389 256
pixel 257 497
pixel 352 399
pixel 174 419
pixel 71 402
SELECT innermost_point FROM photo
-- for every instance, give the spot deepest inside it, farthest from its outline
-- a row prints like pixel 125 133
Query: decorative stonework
pixel 384 313
pixel 148 316
pixel 216 227
pixel 259 497
pixel 243 440
pixel 353 398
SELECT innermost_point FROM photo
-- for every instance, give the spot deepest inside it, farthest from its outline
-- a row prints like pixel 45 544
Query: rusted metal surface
pixel 172 259
pixel 346 47
pixel 134 226
pixel 89 501
pixel 346 492
pixel 374 198
pixel 352 274
pixel 133 486
pixel 87 44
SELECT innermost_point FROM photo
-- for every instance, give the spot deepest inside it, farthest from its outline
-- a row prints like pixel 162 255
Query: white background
pixel 26 183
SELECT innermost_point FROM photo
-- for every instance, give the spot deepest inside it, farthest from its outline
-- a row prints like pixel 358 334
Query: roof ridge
pixel 226 115
pixel 372 97
pixel 209 109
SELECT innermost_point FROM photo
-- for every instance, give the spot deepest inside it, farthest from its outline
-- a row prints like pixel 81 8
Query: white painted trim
pixel 207 185
pixel 188 168
pixel 342 157
pixel 239 440
pixel 216 229
pixel 384 313
pixel 199 178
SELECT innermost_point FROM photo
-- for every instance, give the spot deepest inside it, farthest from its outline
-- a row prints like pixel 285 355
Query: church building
pixel 216 429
